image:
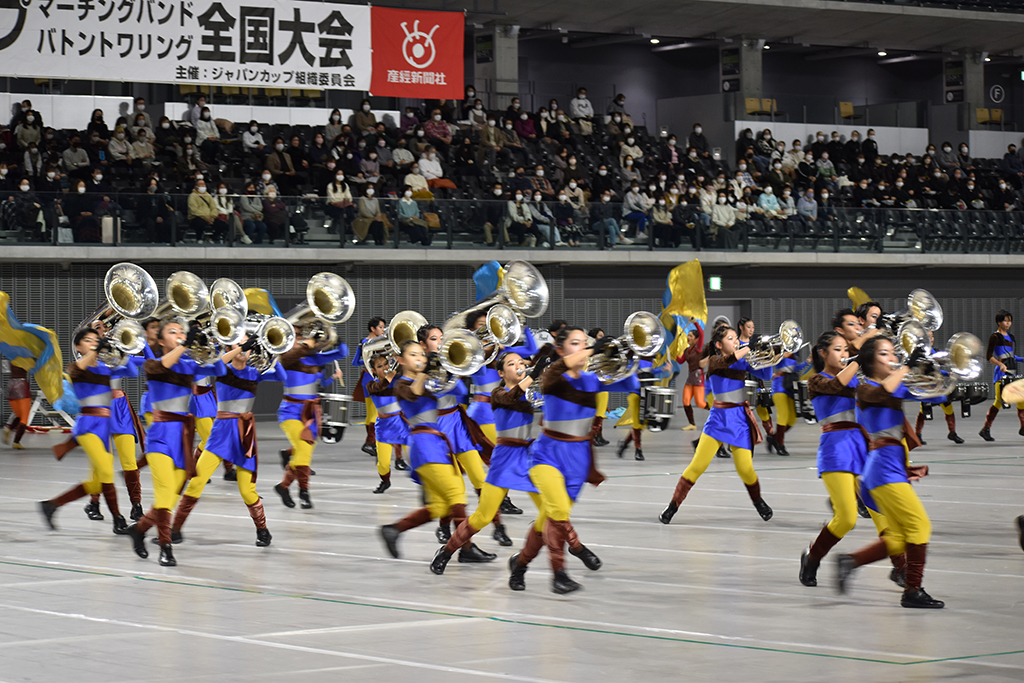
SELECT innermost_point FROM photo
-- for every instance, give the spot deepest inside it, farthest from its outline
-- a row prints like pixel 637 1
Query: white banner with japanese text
pixel 298 44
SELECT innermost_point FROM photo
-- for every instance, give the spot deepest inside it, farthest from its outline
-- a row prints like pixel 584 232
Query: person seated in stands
pixel 807 207
pixel 477 116
pixel 779 153
pixel 826 206
pixel 97 185
pixel 408 122
pixel 950 199
pixel 418 183
pixel 764 147
pixel 76 160
pixel 466 157
pixel 167 142
pixel 300 160
pixel 971 194
pixel 836 149
pixel 275 215
pixel 208 136
pixel 787 206
pixel 869 146
pixel 437 132
pixel 521 229
pixel 97 128
pixel 864 195
pixel 493 145
pixel 852 150
pixel 33 162
pixel 663 228
pixel 22 113
pixel 544 221
pixel 366 120
pixel 369 167
pixel 253 143
pixel 80 208
pixel 881 170
pixel 963 159
pixel 818 146
pixel 791 160
pixel 1003 197
pixel 339 208
pixel 348 163
pixel 282 169
pixel 561 132
pixel 28 131
pixel 332 129
pixel 402 157
pixel 939 181
pixel 190 164
pixel 636 207
pixel 618 106
pixel 628 174
pixel 630 149
pixel 1012 167
pixel 902 193
pixel 493 213
pixel 945 158
pixel 204 215
pixel 418 142
pixel 559 165
pixel 120 150
pixel 468 101
pixel 410 221
pixel 699 142
pixel 604 220
pixel 723 218
pixel 153 213
pixel 140 123
pixel 776 178
pixel 142 150
pixel 859 170
pixel 318 155
pixel 525 128
pixel 540 184
pixel 565 218
pixel 672 158
pixel 51 189
pixel 514 109
pixel 581 110
pixel 744 143
pixel 430 167
pixel 768 202
pixel 575 172
pixel 826 174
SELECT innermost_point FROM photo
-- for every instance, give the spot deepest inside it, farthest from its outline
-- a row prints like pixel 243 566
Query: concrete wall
pixel 991 144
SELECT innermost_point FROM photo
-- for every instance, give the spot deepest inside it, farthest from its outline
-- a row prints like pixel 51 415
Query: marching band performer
pixel 745 333
pixel 390 429
pixel 19 396
pixel 730 422
pixel 1002 355
pixel 91 378
pixel 693 389
pixel 232 439
pixel 947 410
pixel 887 475
pixel 376 327
pixel 430 455
pixel 782 399
pixel 602 401
pixel 170 452
pixel 299 414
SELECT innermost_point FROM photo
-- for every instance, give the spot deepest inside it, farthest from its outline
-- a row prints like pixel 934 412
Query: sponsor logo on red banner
pixel 417 54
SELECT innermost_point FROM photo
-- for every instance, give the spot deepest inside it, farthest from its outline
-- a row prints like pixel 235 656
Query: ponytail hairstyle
pixel 717 336
pixel 866 357
pixel 824 341
pixel 741 323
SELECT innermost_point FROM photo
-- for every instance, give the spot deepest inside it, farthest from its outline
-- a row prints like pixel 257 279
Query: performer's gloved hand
pixel 193 332
pixel 539 367
pixel 917 358
pixel 250 343
pixel 103 345
pixel 433 363
pixel 600 344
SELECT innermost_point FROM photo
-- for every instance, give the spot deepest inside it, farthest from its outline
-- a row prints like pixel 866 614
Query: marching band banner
pixel 293 44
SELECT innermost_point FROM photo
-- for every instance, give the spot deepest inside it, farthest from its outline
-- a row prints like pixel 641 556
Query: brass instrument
pixel 460 354
pixel 330 301
pixel 642 335
pixel 274 336
pixel 921 307
pixel 402 328
pixel 766 351
pixel 937 373
pixel 131 295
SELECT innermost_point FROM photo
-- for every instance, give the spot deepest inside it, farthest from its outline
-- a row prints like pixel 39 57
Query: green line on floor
pixel 59 569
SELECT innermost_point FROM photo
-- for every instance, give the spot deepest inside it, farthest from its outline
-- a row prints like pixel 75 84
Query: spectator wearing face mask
pixel 663 228
pixel 768 202
pixel 76 160
pixel 561 132
pixel 776 178
pixel 859 169
pixel 28 131
pixel 419 185
pixel 544 222
pixel 818 145
pixel 575 172
pixel 167 142
pixel 140 124
pixel 369 168
pixel 366 120
pixel 493 146
pixel 370 221
pixel 826 177
pixel 806 172
pixel 792 158
pixel 565 219
pixel 195 114
pixel 869 146
pixel 577 198
pixel 1012 167
pixel 120 150
pixel 618 106
pixel 744 143
pixel 468 101
pixel 581 110
pixel 33 162
pixel 672 156
pixel 402 157
pixel 22 113
pixel 949 198
pixel 852 150
pixel 946 158
pixel 253 142
pixel 514 109
pixel 226 212
pixel 340 207
pixel 630 149
pixel 477 115
pixel 265 183
pixel 836 149
pixel 723 218
pixel 637 207
pixel 540 184
pixel 153 213
pixel 250 212
pixel 826 207
pixel 807 208
pixel 604 181
pixel 80 208
pixel 208 136
pixel 203 214
pixel 410 221
pixel 494 214
pixel 430 167
pixel 279 164
pixel 972 196
pixel 614 129
pixel 864 195
pixel 764 148
pixel 275 215
pixel 525 128
pixel 902 194
pixel 437 132
pixel 520 221
pixel 98 128
pixel 699 142
pixel 97 184
pixel 963 158
pixel 142 151
pixel 22 211
pixel 603 220
pixel 408 122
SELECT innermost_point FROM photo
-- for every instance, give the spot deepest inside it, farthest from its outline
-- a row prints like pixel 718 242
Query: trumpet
pixel 642 335
pixel 936 373
pixel 131 295
pixel 330 301
pixel 402 328
pixel 274 336
pixel 460 354
pixel 768 351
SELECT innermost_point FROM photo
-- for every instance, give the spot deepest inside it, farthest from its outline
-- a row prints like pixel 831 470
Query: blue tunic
pixel 484 381
pixel 785 367
pixel 843 450
pixel 302 385
pixel 224 441
pixel 726 377
pixel 97 395
pixel 513 418
pixel 390 426
pixel 421 411
pixel 165 437
pixel 1001 346
pixel 881 415
pixel 452 423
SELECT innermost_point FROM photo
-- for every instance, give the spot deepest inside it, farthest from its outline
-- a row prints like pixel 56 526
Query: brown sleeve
pixel 819 385
pixel 506 398
pixel 403 391
pixel 720 362
pixel 552 380
pixel 377 387
pixel 993 341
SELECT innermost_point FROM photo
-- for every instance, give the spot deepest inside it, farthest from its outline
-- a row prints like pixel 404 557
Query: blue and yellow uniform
pixel 1001 347
pixel 788 370
pixel 232 439
pixel 361 394
pixel 729 422
pixel 204 406
pixel 390 428
pixel 299 414
pixel 486 380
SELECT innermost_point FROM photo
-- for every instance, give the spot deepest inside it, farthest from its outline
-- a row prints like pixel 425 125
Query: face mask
pixel 674 190
pixel 151 189
pixel 480 107
pixel 970 187
pixel 508 126
pixel 808 158
pixel 824 157
pixel 349 155
pixel 671 143
pixel 606 198
pixel 768 190
pixel 963 150
pixel 698 130
pixel 254 129
pixel 821 138
pixel 824 195
pixel 98 177
pixel 199 176
pixel 416 171
pixel 776 166
pixel 855 138
pixel 120 136
pixel 652 188
pixel 519 197
pixel 266 177
pixel 490 123
pixel 222 191
pixel 767 136
pixel 562 197
pixel 335 118
pixel 201 190
pixel 188 139
pixel 538 199
pixel 742 167
pixel 373 156
pixel 618 119
pixel 572 186
pixel 785 193
pixel 631 141
pixel 408 193
pixel 661 202
pixel 515 105
pixel 937 174
pixel 899 184
pixel 30 118
pixel 369 192
pixel 721 200
pixel 636 190
pixel 497 193
pixel 1002 186
pixel 165 125
pixel 81 188
pixel 51 175
pixel 629 162
pixel 437 117
pixel 750 136
pixel 931 151
pixel 602 172
pixel 340 178
pixel 206 117
pixel 626 130
pixel 864 186
pixel 796 148
pixel 271 193
pixel 24 188
pixel 419 133
pixel 470 93
pixel 366 107
pixel 693 190
pixel 96 138
pixel 947 149
pixel 860 161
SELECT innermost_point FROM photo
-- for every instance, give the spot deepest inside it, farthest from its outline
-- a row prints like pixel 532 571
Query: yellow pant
pixel 302 452
pixel 167 480
pixel 490 431
pixel 474 466
pixel 555 501
pixel 602 404
pixel 998 401
pixel 762 413
pixel 785 409
pixel 207 465
pixel 443 487
pixel 947 408
pixel 149 419
pixel 490 500
pixel 742 458
pixel 101 463
pixel 124 444
pixel 384 458
pixel 842 489
pixel 631 417
pixel 907 520
pixel 204 425
pixel 371 411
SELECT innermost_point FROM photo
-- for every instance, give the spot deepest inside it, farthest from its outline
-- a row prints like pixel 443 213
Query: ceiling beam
pixel 612 39
pixel 839 54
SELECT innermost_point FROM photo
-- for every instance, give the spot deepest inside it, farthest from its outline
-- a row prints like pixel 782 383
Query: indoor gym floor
pixel 713 596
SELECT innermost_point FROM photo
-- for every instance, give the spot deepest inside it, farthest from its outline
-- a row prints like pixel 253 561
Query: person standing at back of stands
pixel 581 110
pixel 196 113
pixel 1002 354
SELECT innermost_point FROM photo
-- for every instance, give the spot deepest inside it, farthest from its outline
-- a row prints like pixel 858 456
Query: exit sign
pixel 715 283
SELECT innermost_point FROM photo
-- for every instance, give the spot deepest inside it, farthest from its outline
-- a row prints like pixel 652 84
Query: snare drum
pixel 976 392
pixel 335 416
pixel 660 403
pixel 804 407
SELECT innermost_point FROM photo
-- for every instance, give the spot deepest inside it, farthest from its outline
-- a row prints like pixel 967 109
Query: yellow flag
pixel 684 296
pixel 858 296
pixel 32 348
pixel 261 301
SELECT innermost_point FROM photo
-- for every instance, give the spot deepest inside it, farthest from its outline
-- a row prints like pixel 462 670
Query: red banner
pixel 417 53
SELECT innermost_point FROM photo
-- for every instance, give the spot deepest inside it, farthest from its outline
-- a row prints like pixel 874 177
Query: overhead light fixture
pixel 654 41
pixel 767 46
pixel 882 53
pixel 988 59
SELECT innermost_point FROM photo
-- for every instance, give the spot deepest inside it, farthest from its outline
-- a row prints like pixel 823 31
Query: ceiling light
pixel 882 53
pixel 767 47
pixel 988 59
pixel 654 41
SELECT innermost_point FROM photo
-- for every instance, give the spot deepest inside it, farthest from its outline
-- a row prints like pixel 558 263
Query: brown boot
pixel 461 537
pixel 919 423
pixel 825 541
pixel 163 526
pixel 534 542
pixel 110 495
pixel 134 486
pixel 185 506
pixel 754 491
pixel 259 518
